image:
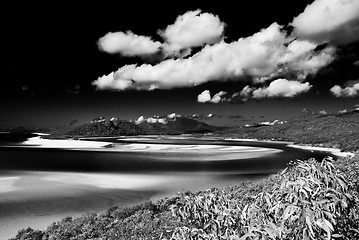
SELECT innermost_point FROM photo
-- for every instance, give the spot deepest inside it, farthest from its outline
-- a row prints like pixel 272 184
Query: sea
pixel 41 185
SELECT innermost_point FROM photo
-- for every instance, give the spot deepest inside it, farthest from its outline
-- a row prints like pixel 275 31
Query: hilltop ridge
pixel 165 125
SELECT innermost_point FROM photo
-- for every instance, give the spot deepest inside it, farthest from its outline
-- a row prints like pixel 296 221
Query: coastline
pixel 256 140
pixel 309 147
pixel 61 143
pixel 335 151
pixel 83 144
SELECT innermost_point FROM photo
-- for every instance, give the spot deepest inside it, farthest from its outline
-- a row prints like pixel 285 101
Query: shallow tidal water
pixel 41 185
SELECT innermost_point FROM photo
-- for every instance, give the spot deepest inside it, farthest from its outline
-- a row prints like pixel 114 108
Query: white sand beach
pixel 256 140
pixel 202 152
pixel 63 143
pixel 335 151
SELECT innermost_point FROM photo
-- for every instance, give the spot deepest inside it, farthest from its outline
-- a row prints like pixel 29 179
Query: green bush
pixel 311 200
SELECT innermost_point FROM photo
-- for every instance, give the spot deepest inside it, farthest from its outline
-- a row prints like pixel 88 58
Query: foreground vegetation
pixel 308 200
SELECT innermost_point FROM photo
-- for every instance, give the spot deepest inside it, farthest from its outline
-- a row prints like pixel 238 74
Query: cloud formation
pixel 128 44
pixel 218 97
pixel 262 56
pixel 350 91
pixel 192 29
pixel 277 88
pixel 205 97
pixel 334 21
pixel 268 57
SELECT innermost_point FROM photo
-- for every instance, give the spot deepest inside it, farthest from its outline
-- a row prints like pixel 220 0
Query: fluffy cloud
pixel 266 55
pixel 282 88
pixel 205 97
pixel 128 44
pixel 218 97
pixel 245 92
pixel 297 48
pixel 192 29
pixel 257 56
pixel 335 21
pixel 107 82
pixel 323 112
pixel 140 120
pixel 343 111
pixel 350 91
pixel 310 62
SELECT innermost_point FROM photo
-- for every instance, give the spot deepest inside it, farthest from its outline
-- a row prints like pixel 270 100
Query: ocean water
pixel 42 185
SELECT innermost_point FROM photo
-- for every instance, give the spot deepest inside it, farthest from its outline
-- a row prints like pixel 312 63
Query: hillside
pixel 331 130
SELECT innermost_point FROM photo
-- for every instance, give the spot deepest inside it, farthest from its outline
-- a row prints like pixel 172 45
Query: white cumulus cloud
pixel 350 91
pixel 140 120
pixel 256 56
pixel 128 44
pixel 245 92
pixel 282 88
pixel 218 97
pixel 264 56
pixel 192 29
pixel 335 21
pixel 205 97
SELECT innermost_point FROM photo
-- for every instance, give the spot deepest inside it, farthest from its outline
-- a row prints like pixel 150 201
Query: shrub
pixel 311 200
pixel 210 213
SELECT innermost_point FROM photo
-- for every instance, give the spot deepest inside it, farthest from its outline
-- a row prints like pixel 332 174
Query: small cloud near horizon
pixel 349 91
pixel 205 97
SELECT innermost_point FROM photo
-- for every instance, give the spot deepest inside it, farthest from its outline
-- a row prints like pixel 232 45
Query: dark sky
pixel 50 57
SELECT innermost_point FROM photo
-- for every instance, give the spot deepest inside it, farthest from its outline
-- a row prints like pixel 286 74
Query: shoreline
pixel 83 144
pixel 309 147
pixel 62 143
pixel 39 142
pixel 335 151
pixel 256 140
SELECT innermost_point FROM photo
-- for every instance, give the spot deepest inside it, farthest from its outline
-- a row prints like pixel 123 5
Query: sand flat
pixel 61 143
pixel 201 152
pixel 334 151
pixel 7 184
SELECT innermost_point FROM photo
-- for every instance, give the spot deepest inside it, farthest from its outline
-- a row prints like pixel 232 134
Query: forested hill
pixel 168 126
